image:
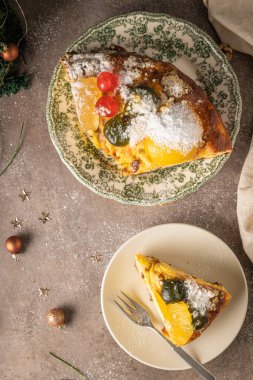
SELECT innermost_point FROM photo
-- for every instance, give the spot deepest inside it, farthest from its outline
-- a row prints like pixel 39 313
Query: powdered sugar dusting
pixel 176 127
pixel 103 111
pixel 137 64
pixel 143 105
pixel 198 298
pixel 80 86
pixel 127 77
pixel 174 86
pixel 80 102
pixel 90 64
pixel 124 92
pixel 132 69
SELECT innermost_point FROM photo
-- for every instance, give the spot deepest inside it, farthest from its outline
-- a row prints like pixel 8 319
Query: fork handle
pixel 188 359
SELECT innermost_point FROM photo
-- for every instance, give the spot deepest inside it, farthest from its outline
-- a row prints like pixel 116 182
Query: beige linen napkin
pixel 233 21
pixel 245 204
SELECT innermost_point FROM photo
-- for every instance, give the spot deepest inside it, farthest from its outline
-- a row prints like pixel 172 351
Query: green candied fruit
pixel 199 321
pixel 173 291
pixel 145 91
pixel 116 130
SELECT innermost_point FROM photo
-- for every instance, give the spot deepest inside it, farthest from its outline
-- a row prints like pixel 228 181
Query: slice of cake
pixel 186 304
pixel 142 113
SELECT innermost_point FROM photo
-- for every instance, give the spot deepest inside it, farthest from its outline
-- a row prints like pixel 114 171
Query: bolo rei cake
pixel 186 304
pixel 142 113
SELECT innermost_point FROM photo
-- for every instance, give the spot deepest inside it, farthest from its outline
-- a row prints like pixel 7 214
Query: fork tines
pixel 131 309
pixel 128 307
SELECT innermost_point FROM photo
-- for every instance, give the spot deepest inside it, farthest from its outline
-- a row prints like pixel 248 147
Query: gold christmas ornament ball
pixel 14 244
pixel 11 53
pixel 56 317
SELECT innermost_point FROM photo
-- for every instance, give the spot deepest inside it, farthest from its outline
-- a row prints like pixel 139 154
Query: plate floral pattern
pixel 162 37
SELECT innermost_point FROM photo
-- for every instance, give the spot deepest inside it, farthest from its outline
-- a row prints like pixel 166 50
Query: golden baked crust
pixel 145 156
pixel 154 272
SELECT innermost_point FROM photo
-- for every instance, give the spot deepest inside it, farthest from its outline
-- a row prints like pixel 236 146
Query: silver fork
pixel 140 316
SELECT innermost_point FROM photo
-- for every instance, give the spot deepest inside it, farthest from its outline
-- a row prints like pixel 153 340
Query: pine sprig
pixel 11 29
pixel 20 140
pixel 13 84
pixel 11 81
pixel 70 365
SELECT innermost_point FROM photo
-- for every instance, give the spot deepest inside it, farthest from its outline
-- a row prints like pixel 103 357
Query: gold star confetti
pixel 16 223
pixel 43 292
pixel 44 217
pixel 25 195
pixel 96 258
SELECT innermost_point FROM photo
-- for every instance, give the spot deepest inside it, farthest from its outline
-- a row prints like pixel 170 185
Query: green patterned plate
pixel 162 37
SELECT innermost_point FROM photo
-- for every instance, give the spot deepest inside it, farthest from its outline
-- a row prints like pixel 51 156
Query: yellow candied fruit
pixel 161 156
pixel 177 320
pixel 88 91
pixel 157 272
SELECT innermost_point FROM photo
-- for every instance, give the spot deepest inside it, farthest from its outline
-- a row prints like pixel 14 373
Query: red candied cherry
pixel 107 82
pixel 107 106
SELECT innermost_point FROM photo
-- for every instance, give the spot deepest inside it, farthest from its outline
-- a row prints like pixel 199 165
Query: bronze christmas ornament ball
pixel 14 244
pixel 10 53
pixel 56 317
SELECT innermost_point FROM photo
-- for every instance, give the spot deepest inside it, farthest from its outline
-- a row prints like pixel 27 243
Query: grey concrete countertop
pixel 58 253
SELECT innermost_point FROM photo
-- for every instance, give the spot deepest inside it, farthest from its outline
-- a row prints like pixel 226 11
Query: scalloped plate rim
pixel 128 200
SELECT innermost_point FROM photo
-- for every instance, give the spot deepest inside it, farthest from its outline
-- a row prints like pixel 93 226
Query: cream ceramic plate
pixel 194 250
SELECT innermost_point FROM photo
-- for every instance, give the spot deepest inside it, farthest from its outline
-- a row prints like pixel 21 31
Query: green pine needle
pixel 13 84
pixel 16 150
pixel 70 365
pixel 11 81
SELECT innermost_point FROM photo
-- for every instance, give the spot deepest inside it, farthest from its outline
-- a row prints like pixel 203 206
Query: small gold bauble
pixel 56 317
